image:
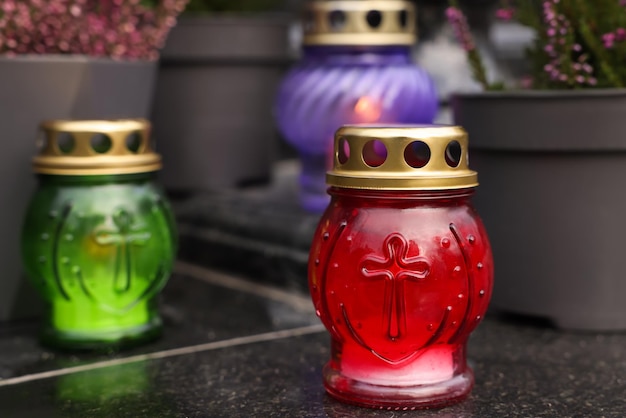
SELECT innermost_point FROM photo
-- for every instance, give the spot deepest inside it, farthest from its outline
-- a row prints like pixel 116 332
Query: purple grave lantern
pixel 356 68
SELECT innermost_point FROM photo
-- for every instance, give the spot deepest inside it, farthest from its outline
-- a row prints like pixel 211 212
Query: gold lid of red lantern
pixel 359 22
pixel 96 147
pixel 429 157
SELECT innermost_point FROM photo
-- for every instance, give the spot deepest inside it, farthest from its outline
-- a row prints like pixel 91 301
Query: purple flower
pixel 563 44
pixel 554 74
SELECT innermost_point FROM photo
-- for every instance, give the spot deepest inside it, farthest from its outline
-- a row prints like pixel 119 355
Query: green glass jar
pixel 99 237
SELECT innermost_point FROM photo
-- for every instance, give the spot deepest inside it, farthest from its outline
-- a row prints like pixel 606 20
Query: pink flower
pixel 457 20
pixel 505 14
pixel 8 6
pixel 526 82
pixel 608 39
pixel 124 29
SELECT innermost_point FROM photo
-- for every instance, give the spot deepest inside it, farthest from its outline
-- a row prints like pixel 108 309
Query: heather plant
pixel 578 43
pixel 119 29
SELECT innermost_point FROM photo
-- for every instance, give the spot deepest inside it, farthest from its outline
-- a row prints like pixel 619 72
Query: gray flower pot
pixel 213 122
pixel 552 168
pixel 34 88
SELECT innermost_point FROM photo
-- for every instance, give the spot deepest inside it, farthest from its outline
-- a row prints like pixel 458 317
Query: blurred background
pixel 241 337
pixel 275 49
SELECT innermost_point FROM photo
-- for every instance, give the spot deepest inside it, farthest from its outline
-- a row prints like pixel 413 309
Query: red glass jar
pixel 401 268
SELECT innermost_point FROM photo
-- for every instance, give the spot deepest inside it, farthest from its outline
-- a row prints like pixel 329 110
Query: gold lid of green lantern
pixel 96 147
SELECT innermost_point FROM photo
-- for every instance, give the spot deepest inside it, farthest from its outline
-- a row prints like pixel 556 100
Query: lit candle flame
pixel 367 109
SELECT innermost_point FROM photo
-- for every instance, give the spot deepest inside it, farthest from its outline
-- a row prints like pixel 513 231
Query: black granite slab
pixel 521 371
pixel 193 312
pixel 259 232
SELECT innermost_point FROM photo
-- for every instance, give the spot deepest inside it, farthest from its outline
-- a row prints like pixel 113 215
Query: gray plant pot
pixel 552 167
pixel 212 117
pixel 34 88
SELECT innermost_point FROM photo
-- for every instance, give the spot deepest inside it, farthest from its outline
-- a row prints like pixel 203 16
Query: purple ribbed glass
pixel 335 86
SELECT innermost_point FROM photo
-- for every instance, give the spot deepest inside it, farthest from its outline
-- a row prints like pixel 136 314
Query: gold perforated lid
pixel 403 157
pixel 359 22
pixel 96 147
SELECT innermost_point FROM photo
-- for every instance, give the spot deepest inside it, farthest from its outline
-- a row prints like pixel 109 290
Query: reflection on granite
pixel 193 313
pixel 521 371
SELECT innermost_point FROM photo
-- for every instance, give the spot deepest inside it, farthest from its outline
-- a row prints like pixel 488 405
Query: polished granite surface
pixel 522 370
pixel 241 340
pixel 239 348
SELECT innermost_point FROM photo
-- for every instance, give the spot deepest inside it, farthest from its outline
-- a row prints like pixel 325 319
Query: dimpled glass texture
pixel 99 249
pixel 400 279
pixel 334 86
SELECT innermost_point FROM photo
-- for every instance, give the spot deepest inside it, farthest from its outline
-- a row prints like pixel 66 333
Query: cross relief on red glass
pixel 395 268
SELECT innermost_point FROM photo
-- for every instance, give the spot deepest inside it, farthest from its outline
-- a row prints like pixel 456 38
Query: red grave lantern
pixel 400 269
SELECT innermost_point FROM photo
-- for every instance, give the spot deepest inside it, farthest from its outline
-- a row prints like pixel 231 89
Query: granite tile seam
pixel 298 302
pixel 215 345
pixel 211 235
